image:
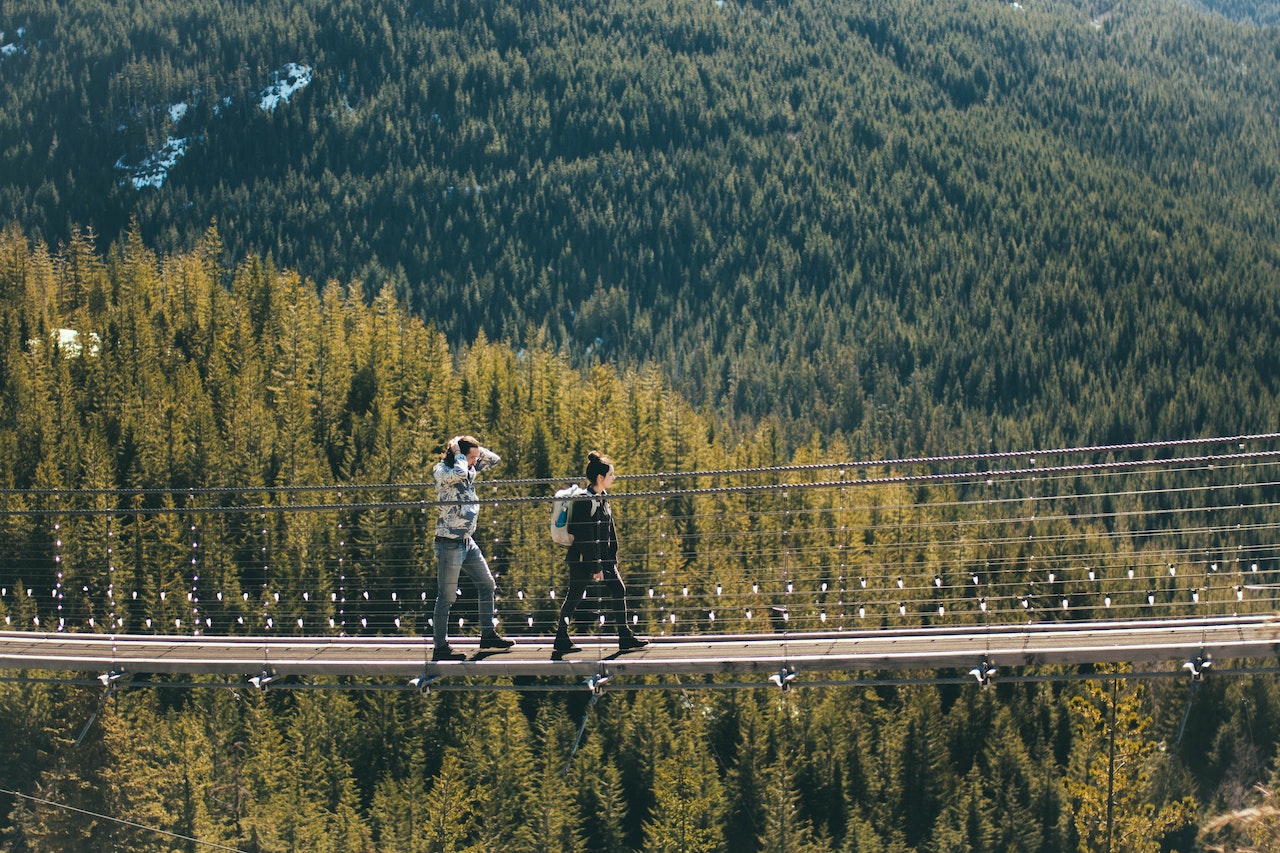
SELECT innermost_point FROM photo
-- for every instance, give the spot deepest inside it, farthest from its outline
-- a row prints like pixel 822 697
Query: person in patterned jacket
pixel 456 549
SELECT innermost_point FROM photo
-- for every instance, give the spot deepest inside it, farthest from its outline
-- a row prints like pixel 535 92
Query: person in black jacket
pixel 594 556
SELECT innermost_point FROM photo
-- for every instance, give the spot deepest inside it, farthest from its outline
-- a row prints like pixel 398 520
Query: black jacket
pixel 595 542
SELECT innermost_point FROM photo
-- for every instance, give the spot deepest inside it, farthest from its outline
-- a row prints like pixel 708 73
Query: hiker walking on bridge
pixel 593 556
pixel 456 549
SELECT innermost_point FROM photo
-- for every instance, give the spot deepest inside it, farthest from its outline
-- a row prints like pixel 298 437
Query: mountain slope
pixel 921 223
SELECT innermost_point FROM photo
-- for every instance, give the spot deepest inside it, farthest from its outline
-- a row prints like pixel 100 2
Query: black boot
pixel 446 652
pixel 563 644
pixel 628 641
pixel 491 640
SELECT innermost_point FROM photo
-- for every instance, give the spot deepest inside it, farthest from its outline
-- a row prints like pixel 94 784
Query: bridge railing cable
pixel 1149 530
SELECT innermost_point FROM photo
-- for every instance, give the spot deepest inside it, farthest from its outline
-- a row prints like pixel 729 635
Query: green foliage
pixel 452 810
pixel 270 384
pixel 921 224
pixel 1114 764
pixel 688 797
pixel 1259 13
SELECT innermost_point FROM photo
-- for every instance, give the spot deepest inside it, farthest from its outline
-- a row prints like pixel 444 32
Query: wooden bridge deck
pixel 1173 640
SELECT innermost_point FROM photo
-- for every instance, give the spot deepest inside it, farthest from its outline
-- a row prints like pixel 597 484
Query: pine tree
pixel 746 780
pixel 601 798
pixel 398 812
pixel 322 801
pixel 919 766
pixel 785 829
pixel 498 760
pixel 451 810
pixel 1112 763
pixel 553 812
pixel 82 776
pixel 25 713
pixel 688 797
pixel 965 825
pixel 163 768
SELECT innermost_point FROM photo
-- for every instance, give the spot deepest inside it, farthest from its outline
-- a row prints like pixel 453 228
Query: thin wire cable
pixel 119 820
pixel 856 464
pixel 921 552
pixel 494 484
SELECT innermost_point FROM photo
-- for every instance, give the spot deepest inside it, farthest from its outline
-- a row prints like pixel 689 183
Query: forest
pixel 918 224
pixel 189 374
pixel 702 235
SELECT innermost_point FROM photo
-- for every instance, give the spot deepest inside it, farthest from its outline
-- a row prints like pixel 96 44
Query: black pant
pixel 615 593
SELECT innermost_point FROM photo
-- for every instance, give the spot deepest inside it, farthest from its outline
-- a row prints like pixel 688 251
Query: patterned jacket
pixel 458 483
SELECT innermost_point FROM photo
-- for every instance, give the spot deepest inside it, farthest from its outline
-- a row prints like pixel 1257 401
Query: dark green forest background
pixel 924 224
pixel 901 226
pixel 190 375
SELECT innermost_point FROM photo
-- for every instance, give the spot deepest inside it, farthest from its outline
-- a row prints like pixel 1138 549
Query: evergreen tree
pixel 556 822
pixel 785 829
pixel 688 797
pixel 965 824
pixel 397 814
pixel 919 767
pixel 82 776
pixel 499 761
pixel 1112 764
pixel 451 810
pixel 601 798
pixel 163 768
pixel 746 780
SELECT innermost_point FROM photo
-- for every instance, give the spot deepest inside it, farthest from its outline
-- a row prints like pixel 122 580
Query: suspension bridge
pixel 1163 554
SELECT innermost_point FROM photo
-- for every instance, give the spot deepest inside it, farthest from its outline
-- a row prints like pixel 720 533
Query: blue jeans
pixel 454 557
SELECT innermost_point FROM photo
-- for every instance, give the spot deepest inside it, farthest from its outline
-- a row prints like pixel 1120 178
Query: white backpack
pixel 560 513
